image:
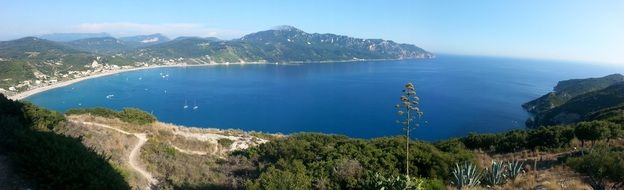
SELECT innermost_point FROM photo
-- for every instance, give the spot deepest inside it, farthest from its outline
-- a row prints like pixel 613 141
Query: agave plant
pixel 514 169
pixel 401 182
pixel 495 175
pixel 466 175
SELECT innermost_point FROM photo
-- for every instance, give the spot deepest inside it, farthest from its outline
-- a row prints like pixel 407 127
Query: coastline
pixel 31 92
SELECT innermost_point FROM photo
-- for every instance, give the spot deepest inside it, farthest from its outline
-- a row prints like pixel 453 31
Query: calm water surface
pixel 459 94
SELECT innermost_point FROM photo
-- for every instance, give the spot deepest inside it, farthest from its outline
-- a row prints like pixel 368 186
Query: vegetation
pixel 408 110
pixel 309 160
pixel 225 142
pixel 50 160
pixel 466 175
pixel 579 100
pixel 516 140
pixel 495 174
pixel 341 162
pixel 129 115
pixel 604 168
pixel 568 89
pixel 22 57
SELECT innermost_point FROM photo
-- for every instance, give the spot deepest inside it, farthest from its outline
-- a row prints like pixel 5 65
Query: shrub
pixel 495 174
pixel 465 175
pixel 339 162
pixel 603 167
pixel 129 115
pixel 225 142
pixel 51 160
pixel 136 116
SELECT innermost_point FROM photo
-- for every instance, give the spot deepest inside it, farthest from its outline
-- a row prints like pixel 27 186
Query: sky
pixel 585 31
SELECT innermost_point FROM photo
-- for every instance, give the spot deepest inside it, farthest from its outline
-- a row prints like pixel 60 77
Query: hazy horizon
pixel 560 30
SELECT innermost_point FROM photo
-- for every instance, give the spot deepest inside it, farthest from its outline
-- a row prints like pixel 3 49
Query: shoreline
pixel 31 92
pixel 34 91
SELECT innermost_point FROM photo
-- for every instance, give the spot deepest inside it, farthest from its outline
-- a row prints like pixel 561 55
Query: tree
pixel 603 167
pixel 408 110
pixel 615 131
pixel 591 131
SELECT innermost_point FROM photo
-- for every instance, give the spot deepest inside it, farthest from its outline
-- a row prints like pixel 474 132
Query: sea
pixel 459 94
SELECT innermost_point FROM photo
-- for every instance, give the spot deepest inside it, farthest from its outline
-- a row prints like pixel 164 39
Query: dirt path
pixel 136 150
pixel 192 151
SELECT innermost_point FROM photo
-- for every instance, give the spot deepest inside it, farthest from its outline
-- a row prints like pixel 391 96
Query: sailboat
pixel 195 107
pixel 185 104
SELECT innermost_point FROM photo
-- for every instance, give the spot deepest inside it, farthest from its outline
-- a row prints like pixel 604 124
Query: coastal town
pixel 42 82
pixel 98 68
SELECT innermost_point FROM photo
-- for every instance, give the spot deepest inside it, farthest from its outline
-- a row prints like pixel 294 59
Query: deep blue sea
pixel 459 94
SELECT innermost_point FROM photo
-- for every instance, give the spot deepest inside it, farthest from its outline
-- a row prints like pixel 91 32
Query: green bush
pixel 603 167
pixel 282 176
pixel 136 116
pixel 516 140
pixel 225 142
pixel 102 112
pixel 50 160
pixel 339 162
pixel 130 115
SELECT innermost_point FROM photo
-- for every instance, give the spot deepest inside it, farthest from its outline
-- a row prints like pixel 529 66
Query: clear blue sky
pixel 555 29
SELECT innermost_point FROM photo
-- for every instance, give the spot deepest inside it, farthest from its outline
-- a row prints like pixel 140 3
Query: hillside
pixel 544 108
pixel 31 62
pixel 146 153
pixel 597 104
pixel 283 44
pixel 568 89
pixel 103 45
pixel 66 37
pixel 144 40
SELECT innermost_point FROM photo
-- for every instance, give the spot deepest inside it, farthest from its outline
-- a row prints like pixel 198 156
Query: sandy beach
pixel 30 92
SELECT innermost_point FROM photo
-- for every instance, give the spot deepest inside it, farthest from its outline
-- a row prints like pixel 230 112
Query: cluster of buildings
pixel 94 68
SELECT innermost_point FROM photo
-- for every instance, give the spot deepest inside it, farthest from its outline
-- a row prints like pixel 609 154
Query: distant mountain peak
pixel 286 28
pixel 66 37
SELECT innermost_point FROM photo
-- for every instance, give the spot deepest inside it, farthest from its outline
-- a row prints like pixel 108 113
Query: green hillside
pixel 598 102
pixel 26 58
pixel 568 89
pixel 104 45
pixel 45 159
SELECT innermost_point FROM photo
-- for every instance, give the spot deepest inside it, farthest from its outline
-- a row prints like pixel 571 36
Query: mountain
pixel 285 44
pixel 33 48
pixel 197 37
pixel 66 37
pixel 103 45
pixel 34 58
pixel 568 89
pixel 144 40
pixel 579 100
pixel 290 43
pixel 65 54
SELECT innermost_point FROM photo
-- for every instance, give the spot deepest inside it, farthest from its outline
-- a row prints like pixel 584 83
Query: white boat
pixel 185 105
pixel 195 107
pixel 109 96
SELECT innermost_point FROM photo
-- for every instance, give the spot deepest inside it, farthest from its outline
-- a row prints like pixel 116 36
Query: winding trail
pixel 134 153
pixel 192 151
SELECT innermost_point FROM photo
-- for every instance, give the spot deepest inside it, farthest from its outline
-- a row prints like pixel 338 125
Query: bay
pixel 459 94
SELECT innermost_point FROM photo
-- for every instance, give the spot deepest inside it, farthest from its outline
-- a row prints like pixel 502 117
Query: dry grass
pixel 109 143
pixel 170 166
pixel 555 178
pixel 543 171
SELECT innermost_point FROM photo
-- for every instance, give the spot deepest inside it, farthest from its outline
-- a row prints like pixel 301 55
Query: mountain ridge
pixel 24 58
pixel 578 100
